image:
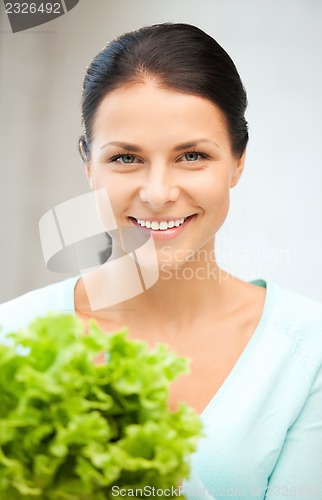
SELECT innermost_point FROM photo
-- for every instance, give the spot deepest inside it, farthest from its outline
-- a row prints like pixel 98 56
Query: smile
pixel 163 229
pixel 162 225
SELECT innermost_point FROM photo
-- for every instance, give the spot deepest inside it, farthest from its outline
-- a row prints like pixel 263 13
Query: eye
pixel 193 156
pixel 126 158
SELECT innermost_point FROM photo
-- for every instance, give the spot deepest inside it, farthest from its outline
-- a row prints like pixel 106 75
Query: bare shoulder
pixel 241 296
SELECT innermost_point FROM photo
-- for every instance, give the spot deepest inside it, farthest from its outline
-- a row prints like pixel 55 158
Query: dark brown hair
pixel 181 57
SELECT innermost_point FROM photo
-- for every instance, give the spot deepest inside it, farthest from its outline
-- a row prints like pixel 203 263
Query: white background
pixel 273 230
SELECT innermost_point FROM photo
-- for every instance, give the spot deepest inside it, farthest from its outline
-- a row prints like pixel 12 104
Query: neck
pixel 176 301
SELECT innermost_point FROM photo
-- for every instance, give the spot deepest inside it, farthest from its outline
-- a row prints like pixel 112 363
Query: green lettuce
pixel 73 428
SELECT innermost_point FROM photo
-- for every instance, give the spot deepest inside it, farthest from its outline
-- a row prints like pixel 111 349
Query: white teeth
pixel 163 225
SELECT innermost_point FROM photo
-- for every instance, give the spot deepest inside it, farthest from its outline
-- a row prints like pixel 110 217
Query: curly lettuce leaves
pixel 72 429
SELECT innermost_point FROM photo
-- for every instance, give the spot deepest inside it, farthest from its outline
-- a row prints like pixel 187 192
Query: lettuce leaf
pixel 72 428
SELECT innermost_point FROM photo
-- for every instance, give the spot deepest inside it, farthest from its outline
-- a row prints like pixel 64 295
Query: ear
pixel 87 163
pixel 237 170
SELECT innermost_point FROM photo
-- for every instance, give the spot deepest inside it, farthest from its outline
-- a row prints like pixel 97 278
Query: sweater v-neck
pixel 69 302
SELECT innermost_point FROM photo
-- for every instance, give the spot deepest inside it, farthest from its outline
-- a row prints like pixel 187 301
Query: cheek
pixel 105 209
pixel 213 193
pixel 115 188
pixel 215 202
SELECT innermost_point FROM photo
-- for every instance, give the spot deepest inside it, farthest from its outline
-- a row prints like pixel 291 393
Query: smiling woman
pixel 161 179
pixel 164 137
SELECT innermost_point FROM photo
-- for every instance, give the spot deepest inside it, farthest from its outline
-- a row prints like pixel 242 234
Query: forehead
pixel 145 110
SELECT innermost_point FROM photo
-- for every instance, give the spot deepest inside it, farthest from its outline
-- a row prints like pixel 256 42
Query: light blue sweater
pixel 264 426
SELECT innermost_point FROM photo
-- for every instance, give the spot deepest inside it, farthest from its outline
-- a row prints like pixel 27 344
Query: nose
pixel 159 187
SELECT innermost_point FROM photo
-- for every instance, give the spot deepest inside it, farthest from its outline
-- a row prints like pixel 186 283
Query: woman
pixel 165 138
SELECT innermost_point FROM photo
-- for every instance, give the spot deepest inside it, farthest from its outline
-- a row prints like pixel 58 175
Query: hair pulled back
pixel 181 57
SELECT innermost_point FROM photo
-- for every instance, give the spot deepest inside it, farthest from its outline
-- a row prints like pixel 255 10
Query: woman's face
pixel 163 156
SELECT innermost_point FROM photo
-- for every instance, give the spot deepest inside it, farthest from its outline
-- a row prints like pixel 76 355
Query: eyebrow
pixel 191 144
pixel 124 145
pixel 178 147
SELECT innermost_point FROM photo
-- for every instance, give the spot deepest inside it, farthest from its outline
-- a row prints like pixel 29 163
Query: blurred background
pixel 273 230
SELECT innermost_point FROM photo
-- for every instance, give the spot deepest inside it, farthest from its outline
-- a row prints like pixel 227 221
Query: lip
pixel 160 219
pixel 165 234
